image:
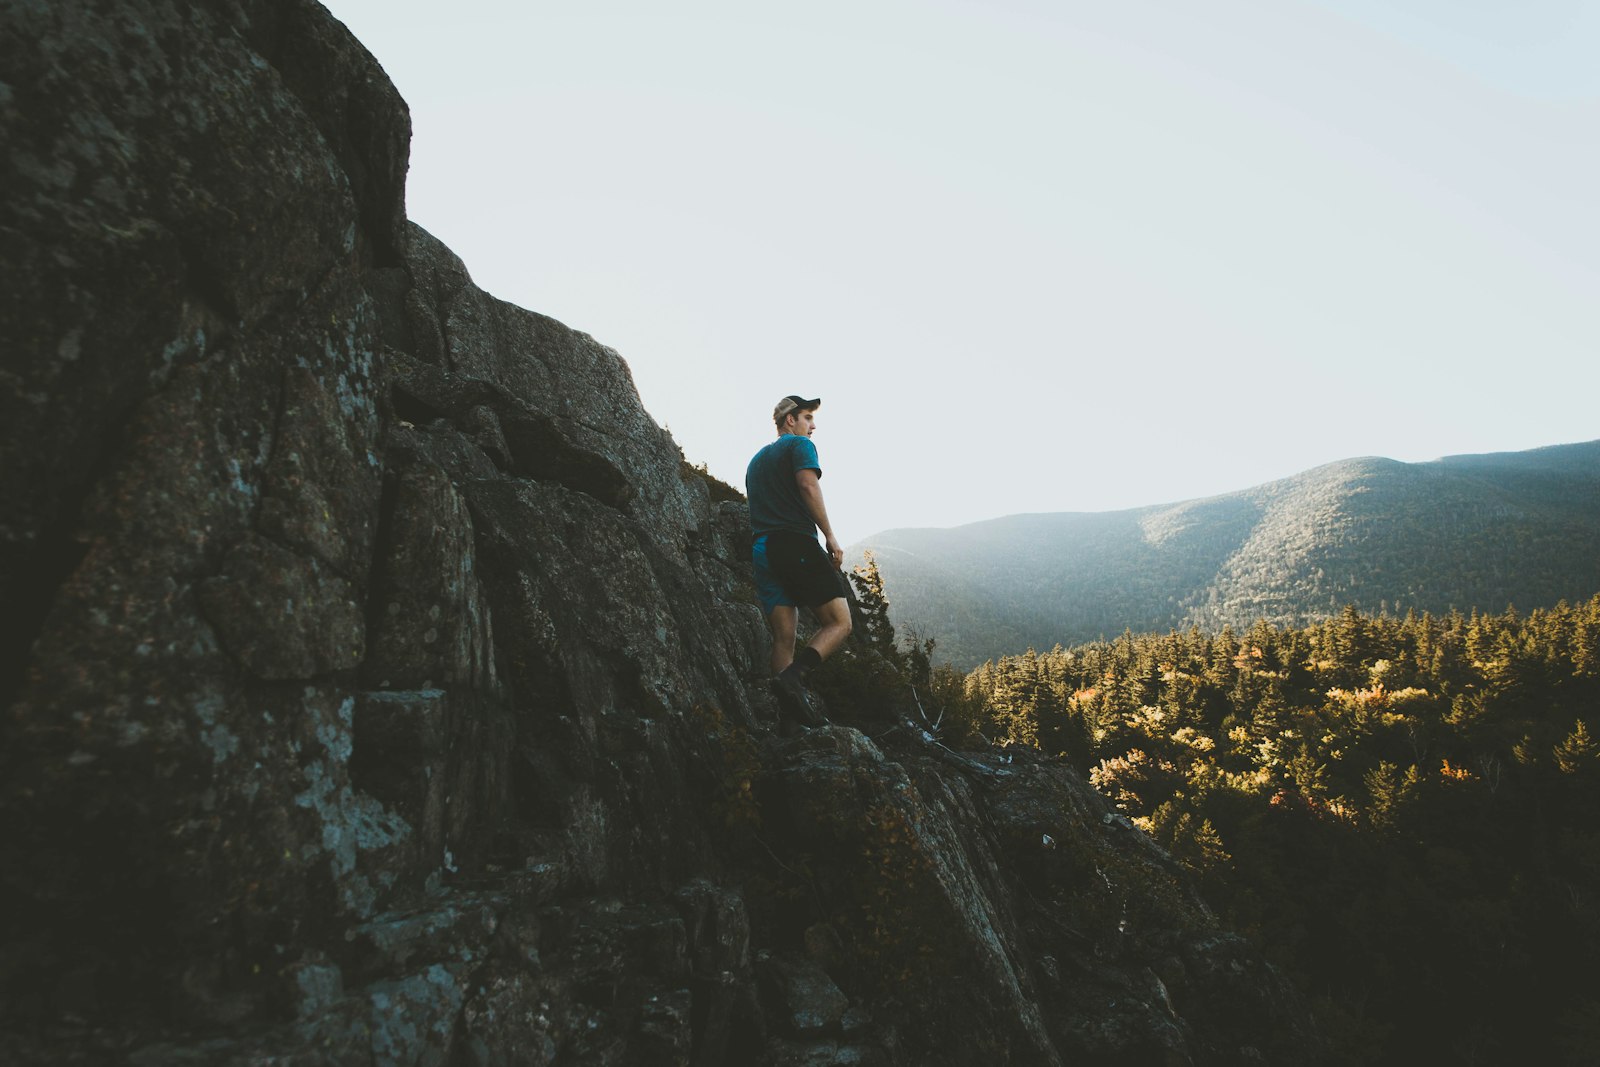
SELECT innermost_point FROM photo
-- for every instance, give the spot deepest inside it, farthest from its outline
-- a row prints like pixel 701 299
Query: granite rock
pixel 382 685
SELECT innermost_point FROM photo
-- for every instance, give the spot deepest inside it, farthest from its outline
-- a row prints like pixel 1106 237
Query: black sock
pixel 804 661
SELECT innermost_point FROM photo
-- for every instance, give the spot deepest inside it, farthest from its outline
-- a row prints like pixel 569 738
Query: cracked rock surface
pixel 382 686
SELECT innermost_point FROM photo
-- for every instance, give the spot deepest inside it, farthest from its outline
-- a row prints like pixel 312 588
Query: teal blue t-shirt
pixel 775 500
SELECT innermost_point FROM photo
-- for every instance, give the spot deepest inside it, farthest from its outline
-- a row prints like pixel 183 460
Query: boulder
pixel 382 685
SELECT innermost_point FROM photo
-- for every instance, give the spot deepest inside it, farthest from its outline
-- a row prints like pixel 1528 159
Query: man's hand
pixel 811 492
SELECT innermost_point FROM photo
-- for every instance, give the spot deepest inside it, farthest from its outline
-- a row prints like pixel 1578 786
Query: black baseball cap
pixel 792 403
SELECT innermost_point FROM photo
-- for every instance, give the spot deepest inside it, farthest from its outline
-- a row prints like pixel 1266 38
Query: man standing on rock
pixel 792 570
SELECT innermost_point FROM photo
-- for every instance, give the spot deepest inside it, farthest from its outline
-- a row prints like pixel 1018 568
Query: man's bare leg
pixel 782 621
pixel 835 619
pixel 791 669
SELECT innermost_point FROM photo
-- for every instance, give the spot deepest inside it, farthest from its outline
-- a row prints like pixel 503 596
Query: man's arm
pixel 808 481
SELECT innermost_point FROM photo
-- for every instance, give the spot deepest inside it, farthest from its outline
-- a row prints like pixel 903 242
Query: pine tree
pixel 1578 752
pixel 873 603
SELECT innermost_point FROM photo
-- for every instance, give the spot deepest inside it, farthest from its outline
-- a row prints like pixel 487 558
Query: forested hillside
pixel 1463 532
pixel 1403 812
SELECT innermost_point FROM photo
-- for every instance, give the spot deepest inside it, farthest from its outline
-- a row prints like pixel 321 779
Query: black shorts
pixel 793 570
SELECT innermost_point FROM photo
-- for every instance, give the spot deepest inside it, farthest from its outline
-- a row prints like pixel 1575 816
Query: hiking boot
pixel 795 701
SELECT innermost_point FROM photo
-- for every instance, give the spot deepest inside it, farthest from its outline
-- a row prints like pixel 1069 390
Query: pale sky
pixel 1068 256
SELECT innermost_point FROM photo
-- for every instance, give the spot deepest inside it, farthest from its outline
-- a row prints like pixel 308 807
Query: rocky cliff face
pixel 382 686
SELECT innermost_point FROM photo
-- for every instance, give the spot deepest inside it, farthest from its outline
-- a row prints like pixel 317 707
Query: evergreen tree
pixel 1401 809
pixel 1578 753
pixel 876 631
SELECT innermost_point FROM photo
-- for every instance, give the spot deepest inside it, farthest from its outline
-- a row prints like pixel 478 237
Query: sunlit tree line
pixel 1404 812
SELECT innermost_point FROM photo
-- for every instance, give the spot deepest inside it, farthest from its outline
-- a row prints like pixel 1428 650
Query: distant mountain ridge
pixel 1467 531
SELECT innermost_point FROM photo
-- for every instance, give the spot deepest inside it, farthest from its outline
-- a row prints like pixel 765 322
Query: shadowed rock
pixel 381 685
